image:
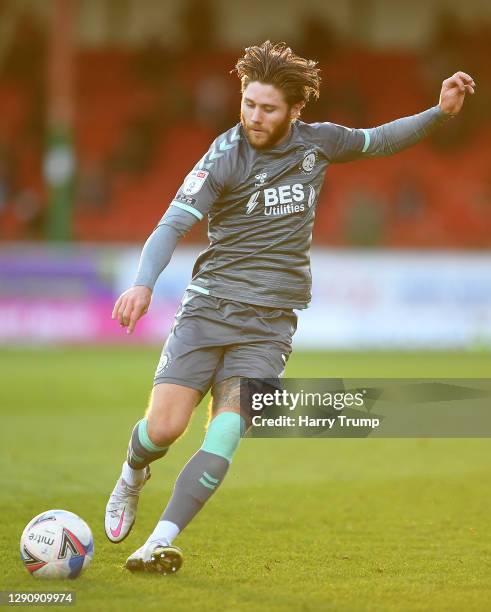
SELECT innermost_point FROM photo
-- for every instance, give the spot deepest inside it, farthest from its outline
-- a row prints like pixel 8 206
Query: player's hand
pixel 453 92
pixel 131 306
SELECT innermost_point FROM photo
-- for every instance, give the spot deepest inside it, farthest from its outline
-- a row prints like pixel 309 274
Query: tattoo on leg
pixel 226 394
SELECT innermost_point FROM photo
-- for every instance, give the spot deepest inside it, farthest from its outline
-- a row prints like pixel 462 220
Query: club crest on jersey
pixel 308 162
pixel 194 181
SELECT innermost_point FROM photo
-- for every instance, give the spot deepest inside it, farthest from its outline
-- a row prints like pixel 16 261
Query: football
pixel 56 544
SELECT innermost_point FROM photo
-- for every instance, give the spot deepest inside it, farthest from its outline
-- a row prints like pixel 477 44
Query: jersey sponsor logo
pixel 253 202
pixel 194 181
pixel 308 162
pixel 283 200
pixel 286 194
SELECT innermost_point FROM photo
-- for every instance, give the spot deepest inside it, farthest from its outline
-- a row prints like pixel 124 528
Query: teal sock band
pixel 223 435
pixel 141 450
pixel 145 440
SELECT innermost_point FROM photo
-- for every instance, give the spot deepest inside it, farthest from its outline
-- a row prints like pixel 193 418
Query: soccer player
pixel 259 184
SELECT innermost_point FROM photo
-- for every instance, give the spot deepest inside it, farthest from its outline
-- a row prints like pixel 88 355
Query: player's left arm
pixel 453 92
pixel 349 144
pixel 402 133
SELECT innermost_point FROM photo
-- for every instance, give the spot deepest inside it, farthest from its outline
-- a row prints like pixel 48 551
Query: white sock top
pixel 164 531
pixel 132 477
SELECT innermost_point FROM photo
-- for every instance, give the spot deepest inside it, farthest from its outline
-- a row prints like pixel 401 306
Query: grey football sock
pixel 204 472
pixel 141 450
pixel 197 482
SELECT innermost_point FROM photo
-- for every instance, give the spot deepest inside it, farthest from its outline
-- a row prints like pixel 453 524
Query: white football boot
pixel 155 556
pixel 121 509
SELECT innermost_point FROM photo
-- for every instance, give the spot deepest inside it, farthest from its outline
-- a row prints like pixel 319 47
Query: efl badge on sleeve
pixel 194 181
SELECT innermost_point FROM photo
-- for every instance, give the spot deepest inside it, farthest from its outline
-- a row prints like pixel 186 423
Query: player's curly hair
pixel 278 65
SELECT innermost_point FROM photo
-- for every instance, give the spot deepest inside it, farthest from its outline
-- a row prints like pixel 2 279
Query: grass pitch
pixel 312 524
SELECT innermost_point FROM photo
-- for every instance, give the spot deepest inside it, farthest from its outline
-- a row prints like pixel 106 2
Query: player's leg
pixel 189 359
pixel 257 343
pixel 197 482
pixel 262 347
pixel 167 417
pixel 206 469
pixel 183 375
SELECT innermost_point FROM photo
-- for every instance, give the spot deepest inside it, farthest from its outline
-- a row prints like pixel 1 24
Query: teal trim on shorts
pixel 145 440
pixel 367 141
pixel 199 289
pixel 190 209
pixel 223 435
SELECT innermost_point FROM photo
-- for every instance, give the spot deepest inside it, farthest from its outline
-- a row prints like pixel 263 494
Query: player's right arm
pixel 200 189
pixel 156 254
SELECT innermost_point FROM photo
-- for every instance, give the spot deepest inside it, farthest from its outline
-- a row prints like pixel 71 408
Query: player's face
pixel 265 115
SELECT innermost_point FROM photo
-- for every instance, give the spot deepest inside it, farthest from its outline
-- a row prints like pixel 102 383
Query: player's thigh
pixel 262 353
pixel 186 367
pixel 169 411
pixel 241 366
pixel 263 345
pixel 193 348
pixel 233 395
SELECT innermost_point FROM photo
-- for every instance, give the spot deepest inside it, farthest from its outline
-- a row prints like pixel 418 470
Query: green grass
pixel 316 524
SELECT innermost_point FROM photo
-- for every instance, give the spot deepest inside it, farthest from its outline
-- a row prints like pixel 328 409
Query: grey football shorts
pixel 215 338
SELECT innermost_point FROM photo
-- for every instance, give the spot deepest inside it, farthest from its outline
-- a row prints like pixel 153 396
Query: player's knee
pixel 164 431
pixel 224 434
pixel 169 412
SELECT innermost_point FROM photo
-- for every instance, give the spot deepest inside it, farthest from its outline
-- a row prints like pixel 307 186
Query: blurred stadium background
pixel 106 105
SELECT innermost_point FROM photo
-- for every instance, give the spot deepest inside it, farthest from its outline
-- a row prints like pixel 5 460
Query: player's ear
pixel 295 110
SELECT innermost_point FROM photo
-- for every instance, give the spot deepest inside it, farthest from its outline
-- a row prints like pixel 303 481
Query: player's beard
pixel 277 134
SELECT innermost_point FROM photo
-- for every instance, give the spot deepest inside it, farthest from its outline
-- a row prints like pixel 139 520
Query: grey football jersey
pixel 261 204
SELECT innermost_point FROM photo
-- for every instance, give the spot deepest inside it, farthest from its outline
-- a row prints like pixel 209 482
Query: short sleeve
pixel 208 179
pixel 340 143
